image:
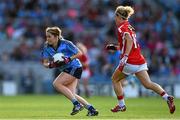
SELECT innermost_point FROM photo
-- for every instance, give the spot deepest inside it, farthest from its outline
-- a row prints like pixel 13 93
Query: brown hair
pixel 55 31
pixel 124 12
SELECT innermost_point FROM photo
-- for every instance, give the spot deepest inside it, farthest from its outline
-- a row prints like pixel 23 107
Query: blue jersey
pixel 67 48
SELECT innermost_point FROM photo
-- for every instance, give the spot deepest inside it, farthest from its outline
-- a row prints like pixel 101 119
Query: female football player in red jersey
pixel 132 61
pixel 86 70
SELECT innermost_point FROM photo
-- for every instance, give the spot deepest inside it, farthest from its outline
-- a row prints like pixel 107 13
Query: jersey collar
pixel 123 23
pixel 58 44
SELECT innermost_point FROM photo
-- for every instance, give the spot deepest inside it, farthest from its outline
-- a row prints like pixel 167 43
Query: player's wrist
pixel 67 59
pixel 51 64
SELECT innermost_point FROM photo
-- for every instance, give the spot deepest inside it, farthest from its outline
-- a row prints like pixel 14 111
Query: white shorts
pixel 132 69
pixel 85 74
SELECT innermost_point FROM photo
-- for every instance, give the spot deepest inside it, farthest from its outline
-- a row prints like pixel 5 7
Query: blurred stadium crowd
pixel 23 23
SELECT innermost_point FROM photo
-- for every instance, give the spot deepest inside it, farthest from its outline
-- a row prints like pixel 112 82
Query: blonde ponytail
pixel 129 10
pixel 124 11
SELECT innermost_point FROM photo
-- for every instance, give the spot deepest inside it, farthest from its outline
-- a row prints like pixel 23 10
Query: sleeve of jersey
pixel 72 47
pixel 126 31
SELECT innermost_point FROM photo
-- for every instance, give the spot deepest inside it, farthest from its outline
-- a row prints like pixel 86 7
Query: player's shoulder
pixel 65 41
pixel 131 28
pixel 126 27
pixel 122 28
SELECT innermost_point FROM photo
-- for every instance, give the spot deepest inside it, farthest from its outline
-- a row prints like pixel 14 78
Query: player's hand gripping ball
pixel 58 57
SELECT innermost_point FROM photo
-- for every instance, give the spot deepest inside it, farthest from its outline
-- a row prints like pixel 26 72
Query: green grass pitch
pixel 58 107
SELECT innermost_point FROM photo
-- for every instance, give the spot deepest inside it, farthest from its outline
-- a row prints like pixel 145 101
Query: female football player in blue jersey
pixel 71 68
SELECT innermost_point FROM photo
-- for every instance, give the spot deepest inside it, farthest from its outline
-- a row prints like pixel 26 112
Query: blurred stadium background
pixel 22 27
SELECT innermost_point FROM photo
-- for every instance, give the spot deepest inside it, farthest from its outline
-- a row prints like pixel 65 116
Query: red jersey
pixel 84 59
pixel 135 57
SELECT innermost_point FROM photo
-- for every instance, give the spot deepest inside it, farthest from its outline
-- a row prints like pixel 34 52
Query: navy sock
pixel 90 107
pixel 75 102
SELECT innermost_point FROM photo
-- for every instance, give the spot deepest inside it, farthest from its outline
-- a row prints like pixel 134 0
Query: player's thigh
pixel 143 76
pixel 64 79
pixel 118 75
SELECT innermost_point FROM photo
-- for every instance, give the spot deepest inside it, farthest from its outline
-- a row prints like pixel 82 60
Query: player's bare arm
pixel 76 55
pixel 129 44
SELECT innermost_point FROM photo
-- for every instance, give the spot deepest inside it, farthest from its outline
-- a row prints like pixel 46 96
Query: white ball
pixel 58 57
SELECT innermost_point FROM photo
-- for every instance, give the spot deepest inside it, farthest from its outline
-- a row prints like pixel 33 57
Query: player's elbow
pixel 80 53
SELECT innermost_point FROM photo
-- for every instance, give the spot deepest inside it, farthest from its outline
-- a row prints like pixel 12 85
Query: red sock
pixel 163 93
pixel 121 100
pixel 120 97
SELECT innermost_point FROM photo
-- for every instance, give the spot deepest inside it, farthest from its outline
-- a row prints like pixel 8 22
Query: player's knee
pixel 56 84
pixel 113 79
